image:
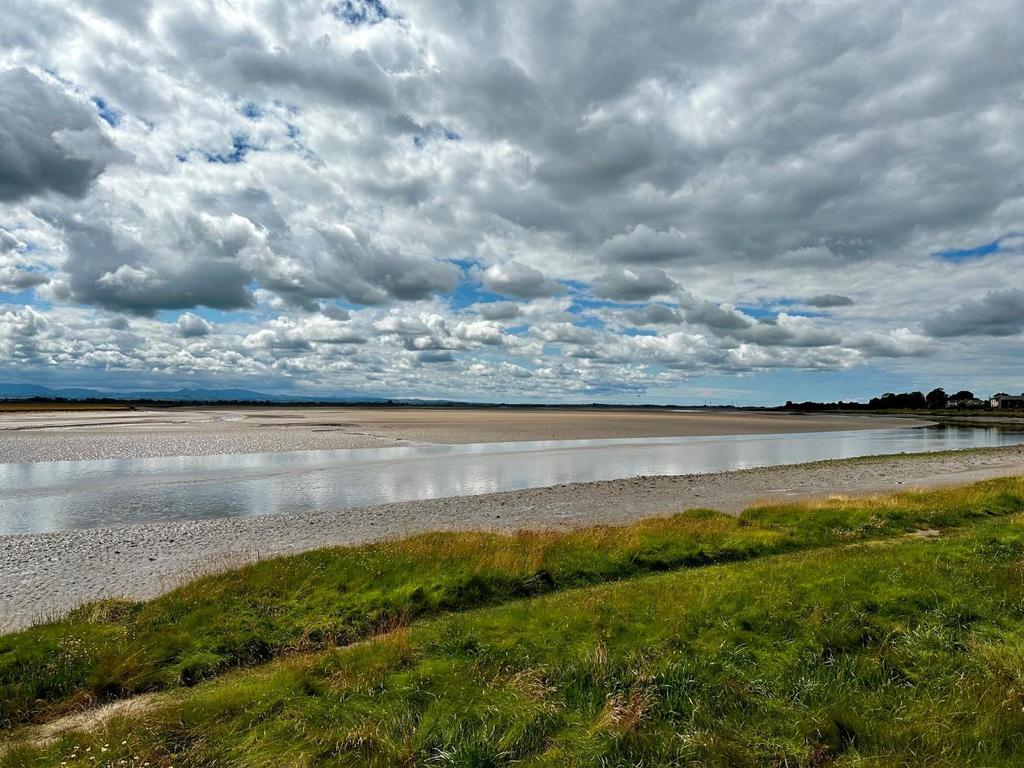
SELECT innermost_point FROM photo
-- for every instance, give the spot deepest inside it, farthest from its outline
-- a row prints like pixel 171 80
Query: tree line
pixel 937 398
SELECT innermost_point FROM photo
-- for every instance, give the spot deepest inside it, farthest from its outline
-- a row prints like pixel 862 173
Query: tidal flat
pixel 146 432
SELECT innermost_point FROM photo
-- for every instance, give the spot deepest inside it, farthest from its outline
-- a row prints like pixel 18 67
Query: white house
pixel 1004 401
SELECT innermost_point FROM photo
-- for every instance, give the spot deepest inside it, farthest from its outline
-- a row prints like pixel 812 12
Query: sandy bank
pixel 191 431
pixel 44 575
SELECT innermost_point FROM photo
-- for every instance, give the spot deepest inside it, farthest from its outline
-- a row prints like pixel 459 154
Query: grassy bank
pixel 827 636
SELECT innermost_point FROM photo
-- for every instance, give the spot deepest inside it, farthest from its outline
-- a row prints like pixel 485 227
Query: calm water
pixel 53 496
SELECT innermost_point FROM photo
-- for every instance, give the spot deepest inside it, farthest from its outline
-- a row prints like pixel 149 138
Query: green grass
pixel 830 639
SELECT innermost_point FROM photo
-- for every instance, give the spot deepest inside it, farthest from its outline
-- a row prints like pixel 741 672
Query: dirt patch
pixel 84 721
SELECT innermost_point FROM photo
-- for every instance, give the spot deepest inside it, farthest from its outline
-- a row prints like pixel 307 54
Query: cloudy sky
pixel 646 201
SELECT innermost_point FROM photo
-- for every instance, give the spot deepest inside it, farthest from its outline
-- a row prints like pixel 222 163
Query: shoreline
pixel 43 576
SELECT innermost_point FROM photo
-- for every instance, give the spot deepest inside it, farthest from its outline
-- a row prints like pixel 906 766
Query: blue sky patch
pixel 110 114
pixel 957 255
pixel 26 296
pixel 472 292
pixel 21 297
pixel 251 111
pixel 584 304
pixel 576 286
pixel 294 134
pixel 420 139
pixel 358 12
pixel 589 321
pixel 759 312
pixel 639 332
pixel 967 254
pixel 212 315
pixel 240 147
pixel 786 305
pixel 465 264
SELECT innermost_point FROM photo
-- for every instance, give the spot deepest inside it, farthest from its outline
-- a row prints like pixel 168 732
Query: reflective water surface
pixel 52 496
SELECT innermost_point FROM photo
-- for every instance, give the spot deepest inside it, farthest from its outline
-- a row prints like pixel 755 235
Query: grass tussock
pixel 811 652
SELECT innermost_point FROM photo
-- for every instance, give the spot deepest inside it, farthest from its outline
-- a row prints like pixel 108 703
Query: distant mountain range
pixel 13 391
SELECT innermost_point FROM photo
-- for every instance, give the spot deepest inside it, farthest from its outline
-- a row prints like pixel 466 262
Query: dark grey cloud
pixel 655 314
pixel 49 141
pixel 513 279
pixel 435 356
pixel 22 334
pixel 643 245
pixel 197 35
pixel 1000 313
pixel 8 242
pixel 775 334
pixel 118 323
pixel 362 271
pixel 133 14
pixel 633 283
pixel 566 333
pixel 355 81
pixel 29 27
pixel 16 274
pixel 114 270
pixel 499 310
pixel 191 326
pixel 334 312
pixel 283 340
pixel 899 343
pixel 715 317
pixel 830 300
pixel 16 278
pixel 501 99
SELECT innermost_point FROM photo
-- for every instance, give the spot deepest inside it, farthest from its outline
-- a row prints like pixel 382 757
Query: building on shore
pixel 1005 401
pixel 969 403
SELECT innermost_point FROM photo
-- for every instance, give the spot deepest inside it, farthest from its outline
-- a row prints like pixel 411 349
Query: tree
pixel 937 398
pixel 892 400
pixel 962 397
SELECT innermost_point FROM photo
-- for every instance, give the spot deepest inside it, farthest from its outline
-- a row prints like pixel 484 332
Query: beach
pixel 45 575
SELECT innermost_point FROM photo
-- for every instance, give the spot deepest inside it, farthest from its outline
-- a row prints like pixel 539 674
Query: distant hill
pixel 14 391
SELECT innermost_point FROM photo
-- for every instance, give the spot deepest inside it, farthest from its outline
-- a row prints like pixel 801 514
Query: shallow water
pixel 53 496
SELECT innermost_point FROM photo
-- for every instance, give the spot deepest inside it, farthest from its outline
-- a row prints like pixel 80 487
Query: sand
pixel 192 431
pixel 45 575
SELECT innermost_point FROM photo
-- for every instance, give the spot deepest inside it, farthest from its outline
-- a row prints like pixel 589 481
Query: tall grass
pixel 333 597
pixel 903 651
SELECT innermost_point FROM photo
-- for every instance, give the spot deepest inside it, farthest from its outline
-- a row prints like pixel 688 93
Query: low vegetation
pixel 882 631
pixel 20 406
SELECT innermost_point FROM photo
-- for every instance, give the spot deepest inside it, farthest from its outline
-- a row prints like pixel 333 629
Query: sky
pixel 701 201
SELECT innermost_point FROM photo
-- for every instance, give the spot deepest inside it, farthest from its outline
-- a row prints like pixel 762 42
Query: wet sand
pixel 194 431
pixel 45 575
